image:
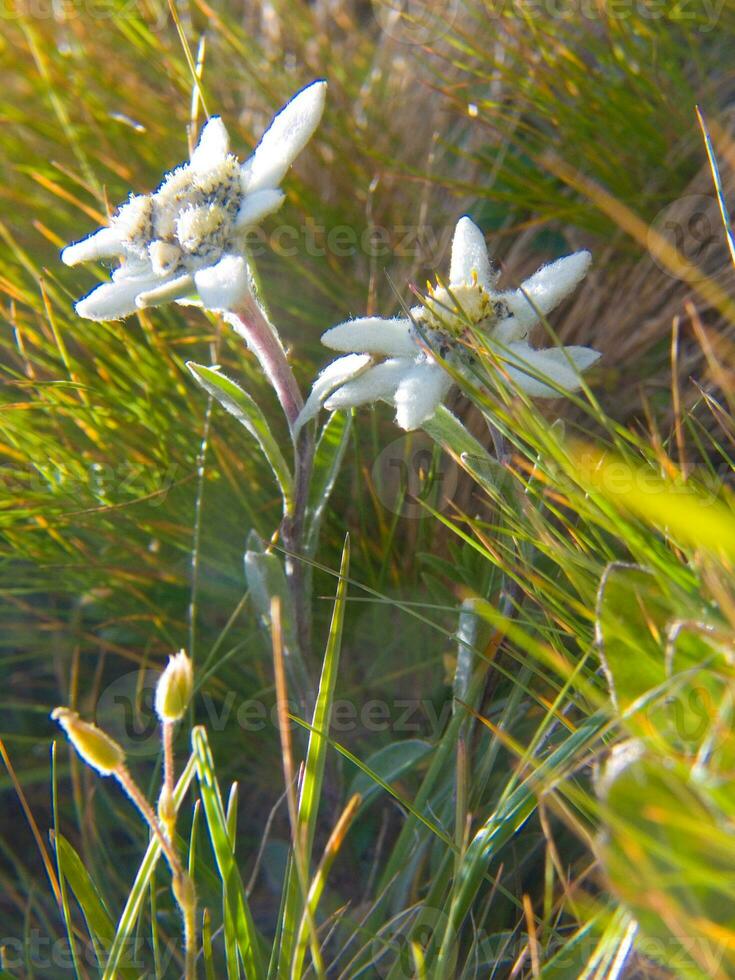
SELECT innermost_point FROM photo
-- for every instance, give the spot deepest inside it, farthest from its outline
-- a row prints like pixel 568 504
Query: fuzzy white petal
pixel 522 363
pixel 257 206
pixel 419 394
pixel 333 375
pixel 166 292
pixel 545 290
pixel 286 137
pixel 582 357
pixel 113 300
pixel 135 268
pixel 373 335
pixel 223 286
pixel 213 146
pixel 469 254
pixel 103 244
pixel 377 382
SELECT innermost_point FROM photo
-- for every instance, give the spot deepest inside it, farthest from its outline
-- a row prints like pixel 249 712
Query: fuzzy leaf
pixel 239 403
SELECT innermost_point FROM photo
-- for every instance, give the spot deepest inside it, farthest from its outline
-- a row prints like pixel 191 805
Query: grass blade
pixel 237 911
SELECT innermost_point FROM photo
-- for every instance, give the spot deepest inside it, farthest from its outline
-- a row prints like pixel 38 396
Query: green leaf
pixel 238 402
pixel 98 919
pixel 65 909
pixel 446 429
pixel 266 579
pixel 388 764
pixel 632 613
pixel 314 769
pixel 328 456
pixel 668 847
pixel 375 777
pixel 473 632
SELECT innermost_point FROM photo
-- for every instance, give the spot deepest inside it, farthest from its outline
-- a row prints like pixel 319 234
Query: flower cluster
pixel 188 235
pixel 412 350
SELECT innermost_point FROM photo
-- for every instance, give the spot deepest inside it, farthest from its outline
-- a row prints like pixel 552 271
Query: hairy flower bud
pixel 95 747
pixel 174 688
pixel 184 891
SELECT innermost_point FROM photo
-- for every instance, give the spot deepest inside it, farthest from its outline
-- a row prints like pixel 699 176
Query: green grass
pixel 490 657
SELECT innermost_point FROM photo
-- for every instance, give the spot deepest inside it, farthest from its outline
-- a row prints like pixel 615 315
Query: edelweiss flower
pixel 411 376
pixel 188 235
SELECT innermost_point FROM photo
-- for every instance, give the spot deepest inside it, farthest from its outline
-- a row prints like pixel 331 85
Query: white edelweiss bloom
pixel 411 375
pixel 188 235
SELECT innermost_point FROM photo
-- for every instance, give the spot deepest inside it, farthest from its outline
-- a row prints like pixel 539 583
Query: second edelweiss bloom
pixel 188 235
pixel 412 378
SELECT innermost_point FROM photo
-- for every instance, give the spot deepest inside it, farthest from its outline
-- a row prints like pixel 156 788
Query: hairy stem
pixel 250 322
pixel 182 884
pixel 190 942
pixel 132 789
pixel 168 756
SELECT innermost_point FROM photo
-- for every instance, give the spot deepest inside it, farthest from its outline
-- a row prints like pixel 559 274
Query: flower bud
pixel 184 891
pixel 174 688
pixel 95 747
pixel 167 807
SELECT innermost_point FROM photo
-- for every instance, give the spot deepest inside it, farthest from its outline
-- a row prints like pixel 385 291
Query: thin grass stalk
pixel 319 881
pixel 300 862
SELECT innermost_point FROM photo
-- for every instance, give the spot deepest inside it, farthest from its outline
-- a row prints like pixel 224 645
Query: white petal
pixel 102 244
pixel 225 285
pixel 420 392
pixel 166 292
pixel 469 254
pixel 257 205
pixel 523 364
pixel 113 300
pixel 545 289
pixel 333 375
pixel 582 357
pixel 373 335
pixel 377 382
pixel 213 146
pixel 286 137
